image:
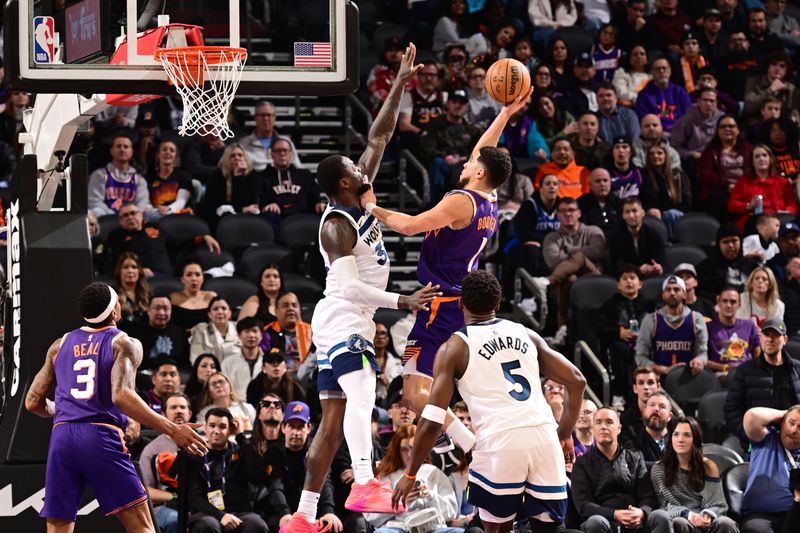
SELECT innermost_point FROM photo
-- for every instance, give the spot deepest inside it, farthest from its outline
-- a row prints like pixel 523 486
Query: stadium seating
pixel 733 484
pixel 182 227
pixel 256 257
pixel 237 232
pixel 234 290
pixel 696 228
pixel 711 415
pixel 725 458
pixel 688 389
pixel 682 253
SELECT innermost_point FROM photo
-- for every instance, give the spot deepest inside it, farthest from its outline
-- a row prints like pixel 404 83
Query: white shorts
pixel 520 471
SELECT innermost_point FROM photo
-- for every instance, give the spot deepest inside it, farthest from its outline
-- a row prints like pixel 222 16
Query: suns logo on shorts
pixel 356 343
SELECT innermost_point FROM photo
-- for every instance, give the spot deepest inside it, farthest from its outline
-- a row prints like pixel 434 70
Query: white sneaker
pixel 560 338
pixel 618 403
pixel 529 305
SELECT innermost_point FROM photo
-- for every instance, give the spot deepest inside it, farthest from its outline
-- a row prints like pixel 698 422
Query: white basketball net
pixel 206 79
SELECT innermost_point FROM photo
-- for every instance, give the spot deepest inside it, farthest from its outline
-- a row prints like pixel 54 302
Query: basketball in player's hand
pixel 506 79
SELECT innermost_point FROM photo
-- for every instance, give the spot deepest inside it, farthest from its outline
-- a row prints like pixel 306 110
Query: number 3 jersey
pixel 501 385
pixel 83 377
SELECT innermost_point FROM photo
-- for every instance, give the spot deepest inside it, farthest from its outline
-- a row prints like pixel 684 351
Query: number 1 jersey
pixel 83 377
pixel 501 385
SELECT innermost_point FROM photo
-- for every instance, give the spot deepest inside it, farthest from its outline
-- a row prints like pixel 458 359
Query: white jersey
pixel 370 254
pixel 501 385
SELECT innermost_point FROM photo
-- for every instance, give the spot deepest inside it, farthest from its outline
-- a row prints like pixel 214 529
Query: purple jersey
pixel 119 192
pixel 605 62
pixel 448 254
pixel 83 377
pixel 673 345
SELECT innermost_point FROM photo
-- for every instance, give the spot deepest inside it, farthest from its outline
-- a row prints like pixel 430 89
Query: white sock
pixel 308 505
pixel 359 387
pixel 461 435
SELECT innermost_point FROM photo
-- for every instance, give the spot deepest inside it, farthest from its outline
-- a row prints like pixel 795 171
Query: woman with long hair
pixel 262 304
pixel 781 135
pixel 202 368
pixel 498 44
pixel 232 188
pixel 666 191
pixel 632 75
pixel 218 392
pixel 434 490
pixel 11 117
pixel 170 186
pixel 217 336
pixel 761 298
pixel 761 190
pixel 267 429
pixel 388 361
pixel 559 58
pixel 688 485
pixel 721 166
pixel 457 26
pixel 131 286
pixel 190 306
pixel 552 121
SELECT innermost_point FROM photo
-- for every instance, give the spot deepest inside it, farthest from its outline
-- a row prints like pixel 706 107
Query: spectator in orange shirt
pixel 573 179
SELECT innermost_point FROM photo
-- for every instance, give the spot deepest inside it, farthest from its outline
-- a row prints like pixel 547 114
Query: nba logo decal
pixel 356 343
pixel 44 42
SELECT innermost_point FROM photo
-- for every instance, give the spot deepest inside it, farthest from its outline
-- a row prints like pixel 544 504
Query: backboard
pixel 295 47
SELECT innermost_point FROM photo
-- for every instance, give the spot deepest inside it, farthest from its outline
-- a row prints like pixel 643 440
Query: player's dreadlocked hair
pixel 93 299
pixel 329 171
pixel 497 163
pixel 480 292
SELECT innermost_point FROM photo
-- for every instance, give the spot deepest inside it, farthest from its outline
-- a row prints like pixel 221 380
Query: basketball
pixel 506 79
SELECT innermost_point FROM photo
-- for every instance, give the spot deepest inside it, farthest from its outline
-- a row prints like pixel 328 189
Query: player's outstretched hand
pixel 518 103
pixel 407 68
pixel 401 490
pixel 368 197
pixel 420 299
pixel 187 438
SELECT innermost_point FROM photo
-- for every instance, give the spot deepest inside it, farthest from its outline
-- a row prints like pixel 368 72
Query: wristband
pixel 434 414
pixel 409 476
pixel 369 207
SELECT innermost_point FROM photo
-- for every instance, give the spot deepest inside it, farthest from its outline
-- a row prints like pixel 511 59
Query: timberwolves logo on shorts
pixel 356 343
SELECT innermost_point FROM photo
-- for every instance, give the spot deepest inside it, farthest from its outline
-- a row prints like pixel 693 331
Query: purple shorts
pixel 431 329
pixel 89 453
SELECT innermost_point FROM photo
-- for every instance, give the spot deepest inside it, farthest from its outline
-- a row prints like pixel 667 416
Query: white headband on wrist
pixel 107 311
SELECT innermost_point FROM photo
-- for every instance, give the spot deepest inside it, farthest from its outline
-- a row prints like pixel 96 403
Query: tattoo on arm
pixel 128 353
pixel 43 384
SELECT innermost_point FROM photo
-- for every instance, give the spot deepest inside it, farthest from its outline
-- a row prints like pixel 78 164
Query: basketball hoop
pixel 206 78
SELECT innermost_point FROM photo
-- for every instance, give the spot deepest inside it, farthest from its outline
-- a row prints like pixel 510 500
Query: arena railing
pixel 583 349
pixel 537 323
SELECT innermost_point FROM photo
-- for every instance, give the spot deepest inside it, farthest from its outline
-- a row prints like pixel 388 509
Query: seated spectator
pixel 782 24
pixel 157 477
pixel 242 367
pixel 775 443
pixel 772 380
pixel 661 97
pixel 615 120
pixel 482 108
pixel 712 38
pixel 739 65
pixel 645 383
pixel 101 255
pixel 688 485
pixel 455 26
pixel 233 189
pixel 382 75
pixel 419 106
pixel 606 54
pixel 132 287
pixel 288 332
pixel 515 190
pixel 170 186
pixel 522 138
pixel 626 178
pixel 560 61
pixel 543 76
pixel 166 380
pixel 590 149
pixel 638 244
pixel 535 219
pixel 692 132
pixel 632 75
pixel 581 92
pixel 733 15
pixel 148 243
pixel 285 188
pixel 781 135
pixel 218 335
pixel 500 36
pixel 690 62
pixel 190 306
pixel 652 133
pixel 790 293
pixel 673 335
pixel 599 207
pixel 761 299
pixel 218 392
pixel 286 485
pixel 118 183
pixel 455 59
pixel 651 435
pixel 400 416
pixel 262 304
pixel 726 265
pixel 523 52
pixel 763 41
pixel 670 24
pixel 547 17
pixel 256 146
pixel 707 79
pixel 219 491
pixel 693 300
pixel 158 334
pixel 111 120
pixel 771 107
pixel 202 155
pixel 266 435
pixel 572 250
pixel 775 82
pixel 634 29
pixel 789 246
pixel 461 410
pixel 583 434
pixel 434 490
pixel 552 122
pixel 618 327
pixel 666 190
pixel 389 363
pixel 554 394
pixel 274 379
pixel 762 246
pixel 731 340
pixel 573 180
pixel 202 368
pixel 610 484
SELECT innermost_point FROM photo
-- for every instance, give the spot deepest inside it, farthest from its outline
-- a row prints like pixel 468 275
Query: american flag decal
pixel 312 55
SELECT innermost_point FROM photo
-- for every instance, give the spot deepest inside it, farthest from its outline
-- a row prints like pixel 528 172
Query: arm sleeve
pixel 346 272
pixel 180 201
pixel 142 194
pixel 97 188
pixel 645 495
pixel 644 340
pixel 667 500
pixel 535 141
pixel 737 202
pixel 596 249
pixel 713 497
pixel 551 249
pixel 678 137
pixel 700 336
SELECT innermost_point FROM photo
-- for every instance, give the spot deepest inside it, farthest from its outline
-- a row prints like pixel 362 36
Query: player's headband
pixel 112 303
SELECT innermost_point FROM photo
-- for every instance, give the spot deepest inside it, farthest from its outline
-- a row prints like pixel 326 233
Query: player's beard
pixel 363 188
pixel 463 183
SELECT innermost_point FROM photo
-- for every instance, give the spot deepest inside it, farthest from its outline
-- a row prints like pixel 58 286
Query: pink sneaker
pixel 374 497
pixel 299 524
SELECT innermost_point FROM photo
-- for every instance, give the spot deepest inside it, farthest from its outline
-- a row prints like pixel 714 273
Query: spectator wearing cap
pixel 590 149
pixel 673 335
pixel 790 294
pixel 662 97
pixel 731 340
pixel 285 487
pixel 481 108
pixel 726 265
pixel 573 179
pixel 615 121
pixel 400 415
pixel 783 25
pixel 626 178
pixel 670 24
pixel 690 62
pixel 694 301
pixel 638 244
pixel 694 130
pixel 446 143
pixel 712 38
pixel 581 96
pixel 274 379
pixel 243 367
pixel 382 75
pixel 789 247
pixel 776 81
pixel 772 380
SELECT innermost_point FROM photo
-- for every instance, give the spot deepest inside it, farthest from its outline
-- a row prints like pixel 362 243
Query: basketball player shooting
pixel 93 372
pixel 517 462
pixel 456 231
